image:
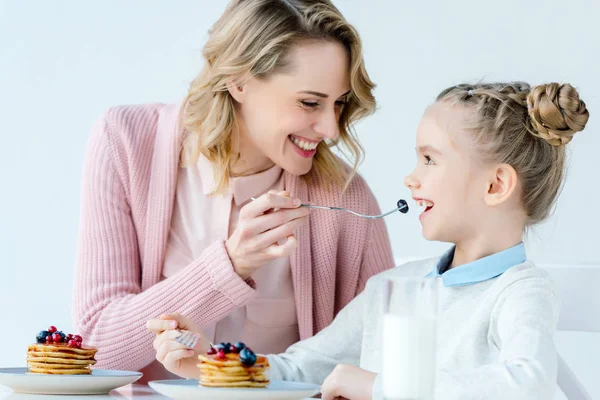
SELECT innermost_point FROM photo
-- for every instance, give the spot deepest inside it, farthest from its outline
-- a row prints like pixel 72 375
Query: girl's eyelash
pixel 428 159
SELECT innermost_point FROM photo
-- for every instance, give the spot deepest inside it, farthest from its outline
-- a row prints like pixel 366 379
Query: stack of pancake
pixel 60 359
pixel 230 372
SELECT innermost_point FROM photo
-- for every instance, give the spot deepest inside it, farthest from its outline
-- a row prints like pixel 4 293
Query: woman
pixel 167 217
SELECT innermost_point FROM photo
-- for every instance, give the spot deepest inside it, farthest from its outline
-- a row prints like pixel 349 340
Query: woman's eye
pixel 340 103
pixel 309 104
pixel 428 161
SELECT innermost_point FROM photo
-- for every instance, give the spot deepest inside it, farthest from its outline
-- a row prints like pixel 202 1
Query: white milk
pixel 408 357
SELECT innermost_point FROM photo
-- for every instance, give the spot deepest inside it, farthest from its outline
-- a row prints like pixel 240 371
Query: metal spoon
pixel 401 206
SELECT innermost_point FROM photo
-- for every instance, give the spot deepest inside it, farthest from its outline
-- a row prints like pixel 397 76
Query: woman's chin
pixel 297 168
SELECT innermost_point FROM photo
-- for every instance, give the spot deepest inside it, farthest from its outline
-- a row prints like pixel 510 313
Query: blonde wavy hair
pixel 526 128
pixel 253 38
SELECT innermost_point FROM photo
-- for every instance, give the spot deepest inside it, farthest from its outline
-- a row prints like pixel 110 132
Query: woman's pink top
pixel 268 322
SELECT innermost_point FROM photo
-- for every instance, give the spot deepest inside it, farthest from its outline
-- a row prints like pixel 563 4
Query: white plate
pixel 189 389
pixel 100 381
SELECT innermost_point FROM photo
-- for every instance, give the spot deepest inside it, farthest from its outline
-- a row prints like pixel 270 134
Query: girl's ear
pixel 502 184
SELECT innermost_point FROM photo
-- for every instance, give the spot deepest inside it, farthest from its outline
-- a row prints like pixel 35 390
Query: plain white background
pixel 62 63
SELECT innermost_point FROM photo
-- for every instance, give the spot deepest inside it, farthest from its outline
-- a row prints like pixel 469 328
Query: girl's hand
pixel 262 224
pixel 174 356
pixel 350 382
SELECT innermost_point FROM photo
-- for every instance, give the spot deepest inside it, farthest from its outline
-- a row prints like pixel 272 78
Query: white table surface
pixel 128 392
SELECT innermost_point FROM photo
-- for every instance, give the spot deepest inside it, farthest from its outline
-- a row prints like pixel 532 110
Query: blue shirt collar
pixel 479 270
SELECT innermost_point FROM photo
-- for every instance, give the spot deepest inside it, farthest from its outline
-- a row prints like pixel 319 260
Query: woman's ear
pixel 502 184
pixel 237 89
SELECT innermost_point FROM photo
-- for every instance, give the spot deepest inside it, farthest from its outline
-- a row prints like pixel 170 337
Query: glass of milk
pixel 409 338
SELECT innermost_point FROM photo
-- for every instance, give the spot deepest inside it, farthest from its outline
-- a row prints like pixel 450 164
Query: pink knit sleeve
pixel 110 310
pixel 377 256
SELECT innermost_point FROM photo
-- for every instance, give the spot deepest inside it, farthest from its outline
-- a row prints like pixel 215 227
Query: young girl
pixel 491 161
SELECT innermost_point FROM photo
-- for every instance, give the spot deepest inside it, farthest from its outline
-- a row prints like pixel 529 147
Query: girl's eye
pixel 340 103
pixel 428 160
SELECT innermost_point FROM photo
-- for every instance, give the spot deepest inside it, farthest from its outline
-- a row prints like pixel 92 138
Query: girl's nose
pixel 411 182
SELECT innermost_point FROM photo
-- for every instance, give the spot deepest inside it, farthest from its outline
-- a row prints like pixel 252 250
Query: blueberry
pixel 247 357
pixel 403 206
pixel 240 346
pixel 224 346
pixel 41 337
pixel 63 336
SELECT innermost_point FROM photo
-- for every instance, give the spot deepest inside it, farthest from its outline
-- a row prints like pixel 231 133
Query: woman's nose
pixel 327 125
